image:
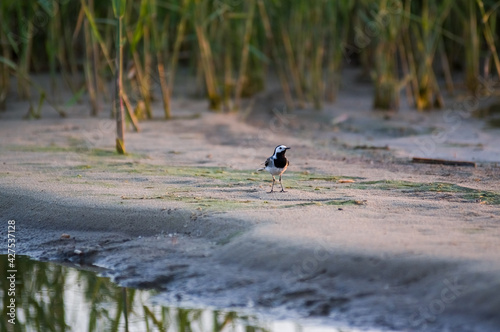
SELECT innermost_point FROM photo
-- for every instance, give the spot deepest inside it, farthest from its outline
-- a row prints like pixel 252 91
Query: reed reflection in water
pixel 53 297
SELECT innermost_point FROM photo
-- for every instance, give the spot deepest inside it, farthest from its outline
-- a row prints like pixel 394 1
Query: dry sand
pixel 406 247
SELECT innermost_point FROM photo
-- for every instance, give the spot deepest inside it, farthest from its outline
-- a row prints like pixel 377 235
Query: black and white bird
pixel 276 164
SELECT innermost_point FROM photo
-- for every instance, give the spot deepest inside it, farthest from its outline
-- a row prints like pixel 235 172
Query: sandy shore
pixel 362 237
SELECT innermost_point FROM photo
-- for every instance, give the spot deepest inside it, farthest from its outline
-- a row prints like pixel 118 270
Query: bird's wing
pixel 268 161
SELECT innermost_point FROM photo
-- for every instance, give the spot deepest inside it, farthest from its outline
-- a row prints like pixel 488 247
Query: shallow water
pixel 54 297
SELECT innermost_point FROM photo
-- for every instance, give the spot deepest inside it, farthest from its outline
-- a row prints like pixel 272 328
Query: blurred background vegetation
pixel 231 49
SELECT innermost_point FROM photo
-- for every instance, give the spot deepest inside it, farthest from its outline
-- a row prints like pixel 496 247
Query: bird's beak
pixel 287 148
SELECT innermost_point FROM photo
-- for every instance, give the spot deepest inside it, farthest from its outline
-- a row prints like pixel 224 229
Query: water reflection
pixel 52 297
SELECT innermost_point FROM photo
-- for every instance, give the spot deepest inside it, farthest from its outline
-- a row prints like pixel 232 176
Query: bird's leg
pixel 272 187
pixel 282 190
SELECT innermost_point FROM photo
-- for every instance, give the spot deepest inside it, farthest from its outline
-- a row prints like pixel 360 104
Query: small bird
pixel 276 164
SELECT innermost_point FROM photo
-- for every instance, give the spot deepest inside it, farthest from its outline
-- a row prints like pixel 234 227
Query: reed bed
pixel 233 47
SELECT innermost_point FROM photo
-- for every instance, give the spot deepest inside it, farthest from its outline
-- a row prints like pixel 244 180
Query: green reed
pixel 235 47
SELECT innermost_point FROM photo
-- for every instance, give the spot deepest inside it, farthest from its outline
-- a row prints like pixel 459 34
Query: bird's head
pixel 281 149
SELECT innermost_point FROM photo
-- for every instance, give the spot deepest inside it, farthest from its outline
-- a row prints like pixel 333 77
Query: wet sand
pixel 362 237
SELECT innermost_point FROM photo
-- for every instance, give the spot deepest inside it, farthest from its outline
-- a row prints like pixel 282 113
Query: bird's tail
pixel 261 169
